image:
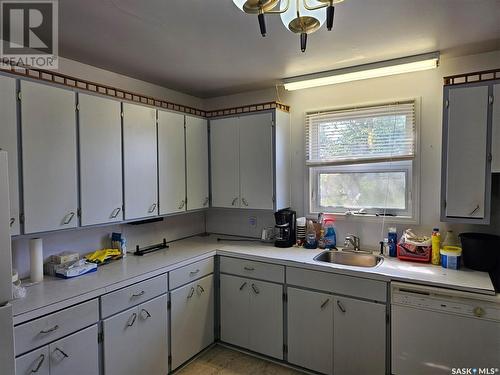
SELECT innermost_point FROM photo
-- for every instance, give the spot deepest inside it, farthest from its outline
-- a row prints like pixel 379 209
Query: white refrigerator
pixel 6 322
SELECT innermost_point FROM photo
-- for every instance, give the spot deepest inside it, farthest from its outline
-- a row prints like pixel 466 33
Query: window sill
pixel 370 218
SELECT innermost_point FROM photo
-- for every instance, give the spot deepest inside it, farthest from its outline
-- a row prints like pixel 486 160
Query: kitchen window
pixel 362 160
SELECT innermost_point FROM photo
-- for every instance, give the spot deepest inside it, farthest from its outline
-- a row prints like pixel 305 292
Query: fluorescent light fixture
pixel 359 72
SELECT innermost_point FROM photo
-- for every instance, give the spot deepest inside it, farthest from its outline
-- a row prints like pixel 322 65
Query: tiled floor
pixel 222 361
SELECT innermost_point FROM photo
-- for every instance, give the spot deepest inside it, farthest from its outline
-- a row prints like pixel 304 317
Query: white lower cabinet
pixel 136 341
pixel 35 362
pixel 359 332
pixel 192 319
pixel 252 315
pixel 310 330
pixel 76 354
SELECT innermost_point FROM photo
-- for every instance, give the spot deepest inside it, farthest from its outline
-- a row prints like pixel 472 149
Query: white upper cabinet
pixel 171 162
pixel 256 161
pixel 250 161
pixel 9 143
pixel 100 136
pixel 495 167
pixel 49 157
pixel 197 163
pixel 225 162
pixel 140 161
pixel 467 178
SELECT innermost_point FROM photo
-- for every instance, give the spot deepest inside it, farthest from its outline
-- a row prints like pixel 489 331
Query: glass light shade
pixel 239 4
pixel 291 14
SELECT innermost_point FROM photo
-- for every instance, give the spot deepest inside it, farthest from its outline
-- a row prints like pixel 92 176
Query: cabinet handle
pixel 341 307
pixel 152 208
pixel 323 305
pixel 115 212
pixel 146 313
pixel 234 201
pixel 243 285
pixel 131 323
pixel 12 221
pixel 192 273
pixel 41 359
pixel 255 289
pixel 45 331
pixel 207 199
pixel 68 218
pixel 244 202
pixel 181 206
pixel 248 268
pixel 191 292
pixel 141 293
pixel 474 210
pixel 200 289
pixel 60 351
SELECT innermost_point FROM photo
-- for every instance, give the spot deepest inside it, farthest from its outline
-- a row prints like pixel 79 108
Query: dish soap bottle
pixel 392 236
pixel 436 246
pixel 330 235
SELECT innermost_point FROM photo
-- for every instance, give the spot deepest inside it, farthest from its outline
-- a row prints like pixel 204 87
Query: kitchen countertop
pixel 53 293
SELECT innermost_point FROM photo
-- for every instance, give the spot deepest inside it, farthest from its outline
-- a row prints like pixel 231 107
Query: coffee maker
pixel 285 227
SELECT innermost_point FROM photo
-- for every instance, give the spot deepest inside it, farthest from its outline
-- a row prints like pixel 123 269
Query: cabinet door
pixel 140 161
pixel 466 147
pixel 310 330
pixel 35 362
pixel 49 157
pixel 266 318
pixel 359 327
pixel 224 157
pixel 495 148
pixel 192 317
pixel 9 143
pixel 256 161
pixel 171 162
pixel 100 135
pixel 197 163
pixel 77 354
pixel 152 341
pixel 120 344
pixel 234 310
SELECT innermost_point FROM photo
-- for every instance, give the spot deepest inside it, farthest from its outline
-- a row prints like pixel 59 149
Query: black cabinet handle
pixel 41 359
pixel 134 317
pixel 341 307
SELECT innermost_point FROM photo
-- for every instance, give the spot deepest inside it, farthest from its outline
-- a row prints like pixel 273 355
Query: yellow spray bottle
pixel 436 246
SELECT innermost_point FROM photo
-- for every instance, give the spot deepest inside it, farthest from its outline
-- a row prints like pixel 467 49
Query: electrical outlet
pixel 252 220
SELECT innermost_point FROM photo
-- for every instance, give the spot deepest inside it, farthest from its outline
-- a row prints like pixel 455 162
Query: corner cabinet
pixel 140 161
pixel 250 161
pixel 49 155
pixel 467 153
pixel 197 163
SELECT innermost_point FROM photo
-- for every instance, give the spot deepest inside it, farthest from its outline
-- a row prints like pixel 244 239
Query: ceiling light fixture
pixel 299 16
pixel 359 72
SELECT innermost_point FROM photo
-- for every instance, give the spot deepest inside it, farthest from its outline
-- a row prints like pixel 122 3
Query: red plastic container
pixel 414 253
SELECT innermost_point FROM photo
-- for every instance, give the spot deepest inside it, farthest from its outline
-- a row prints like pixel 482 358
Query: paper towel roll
pixel 36 260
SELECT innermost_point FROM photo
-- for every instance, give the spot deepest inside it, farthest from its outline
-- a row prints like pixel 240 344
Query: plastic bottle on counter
pixel 392 236
pixel 330 235
pixel 436 246
pixel 311 241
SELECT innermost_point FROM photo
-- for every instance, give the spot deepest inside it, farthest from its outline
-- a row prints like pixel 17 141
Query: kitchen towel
pixel 36 260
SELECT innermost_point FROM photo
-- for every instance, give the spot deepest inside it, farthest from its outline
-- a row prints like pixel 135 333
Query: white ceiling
pixel 209 47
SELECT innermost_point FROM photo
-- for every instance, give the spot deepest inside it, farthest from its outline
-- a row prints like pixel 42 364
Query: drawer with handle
pixel 51 327
pixel 249 268
pixel 133 295
pixel 186 274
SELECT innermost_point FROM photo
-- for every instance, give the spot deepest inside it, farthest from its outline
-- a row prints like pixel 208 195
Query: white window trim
pixel 415 195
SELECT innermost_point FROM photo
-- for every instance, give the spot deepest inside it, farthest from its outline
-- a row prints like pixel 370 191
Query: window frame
pixel 411 216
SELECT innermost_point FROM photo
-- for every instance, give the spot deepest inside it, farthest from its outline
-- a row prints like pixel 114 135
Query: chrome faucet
pixel 352 240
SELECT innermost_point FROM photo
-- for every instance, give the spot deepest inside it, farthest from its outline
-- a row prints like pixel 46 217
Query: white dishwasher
pixel 436 330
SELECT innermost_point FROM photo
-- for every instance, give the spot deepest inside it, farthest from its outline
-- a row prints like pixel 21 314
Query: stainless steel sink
pixel 358 259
